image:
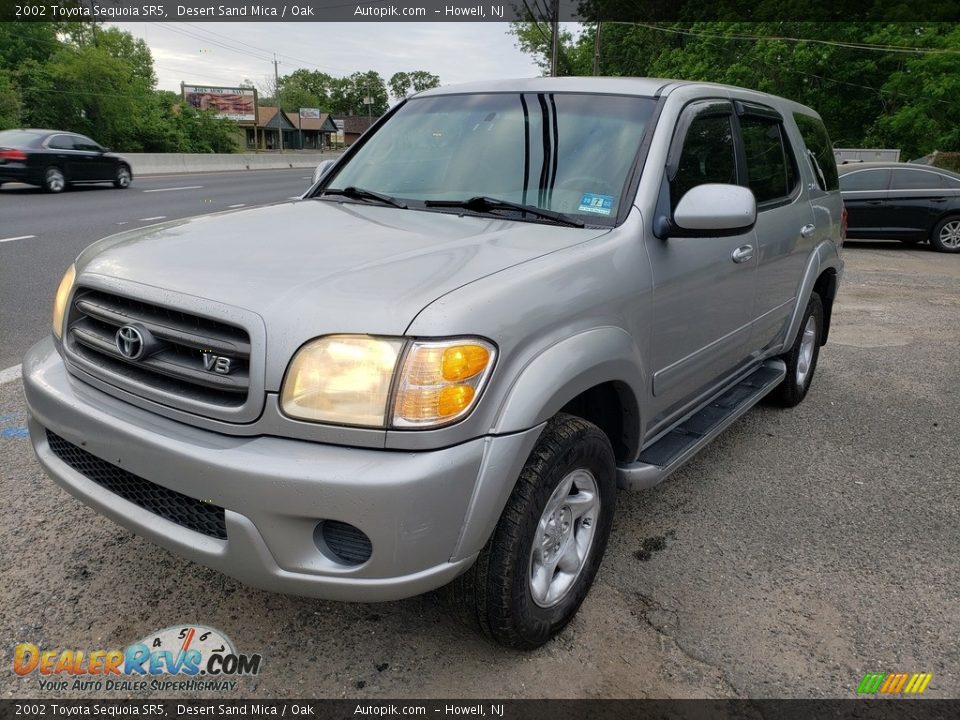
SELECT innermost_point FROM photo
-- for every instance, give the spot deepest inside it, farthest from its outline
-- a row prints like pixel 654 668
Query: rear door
pixel 915 200
pixel 703 287
pixel 785 226
pixel 865 193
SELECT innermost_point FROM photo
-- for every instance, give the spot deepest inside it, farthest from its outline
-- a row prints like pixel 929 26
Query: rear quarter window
pixel 819 151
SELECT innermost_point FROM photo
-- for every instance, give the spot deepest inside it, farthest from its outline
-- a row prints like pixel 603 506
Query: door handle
pixel 874 202
pixel 742 253
pixel 808 230
pixel 938 199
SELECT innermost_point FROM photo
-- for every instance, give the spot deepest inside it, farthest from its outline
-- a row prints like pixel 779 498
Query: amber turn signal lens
pixel 464 361
pixel 454 400
pixel 440 381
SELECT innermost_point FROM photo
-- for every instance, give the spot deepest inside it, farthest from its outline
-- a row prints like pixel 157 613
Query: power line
pixel 781 38
pixel 785 68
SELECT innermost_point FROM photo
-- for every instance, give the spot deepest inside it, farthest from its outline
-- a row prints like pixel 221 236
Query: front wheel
pixel 538 566
pixel 54 180
pixel 946 235
pixel 122 178
pixel 802 359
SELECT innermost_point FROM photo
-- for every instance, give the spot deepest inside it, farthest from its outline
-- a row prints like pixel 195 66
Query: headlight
pixel 60 300
pixel 341 379
pixel 347 380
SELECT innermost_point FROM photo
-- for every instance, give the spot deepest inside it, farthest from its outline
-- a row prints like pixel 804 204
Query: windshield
pixel 565 152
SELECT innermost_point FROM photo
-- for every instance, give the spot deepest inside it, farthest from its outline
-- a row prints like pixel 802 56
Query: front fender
pixel 545 385
pixel 566 369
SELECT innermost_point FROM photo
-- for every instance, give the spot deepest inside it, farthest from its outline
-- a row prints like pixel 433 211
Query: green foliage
pixel 9 101
pixel 403 83
pixel 867 97
pixel 947 161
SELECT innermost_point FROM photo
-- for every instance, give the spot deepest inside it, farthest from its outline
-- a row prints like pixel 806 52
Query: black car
pixel 896 201
pixel 54 160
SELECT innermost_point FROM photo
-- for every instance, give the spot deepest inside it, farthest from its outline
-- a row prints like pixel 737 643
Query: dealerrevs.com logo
pixel 181 657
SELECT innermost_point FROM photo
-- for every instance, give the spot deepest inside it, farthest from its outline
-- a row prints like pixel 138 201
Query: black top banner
pixel 629 11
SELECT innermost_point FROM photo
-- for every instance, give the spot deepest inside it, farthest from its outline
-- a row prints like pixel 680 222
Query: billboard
pixel 310 113
pixel 232 103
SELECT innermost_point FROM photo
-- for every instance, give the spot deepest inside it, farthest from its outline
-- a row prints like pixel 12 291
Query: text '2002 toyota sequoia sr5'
pixel 437 366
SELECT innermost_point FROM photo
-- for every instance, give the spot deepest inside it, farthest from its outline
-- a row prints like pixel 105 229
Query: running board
pixel 671 451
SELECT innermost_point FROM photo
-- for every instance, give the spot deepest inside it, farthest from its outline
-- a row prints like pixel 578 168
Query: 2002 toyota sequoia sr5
pixel 503 302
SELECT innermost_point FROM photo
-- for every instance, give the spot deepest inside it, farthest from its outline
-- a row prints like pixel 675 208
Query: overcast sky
pixel 226 53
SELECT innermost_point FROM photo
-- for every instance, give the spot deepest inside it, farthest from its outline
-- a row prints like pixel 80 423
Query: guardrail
pixel 169 163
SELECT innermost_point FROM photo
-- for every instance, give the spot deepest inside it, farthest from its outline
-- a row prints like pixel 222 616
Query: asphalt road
pixel 41 234
pixel 802 549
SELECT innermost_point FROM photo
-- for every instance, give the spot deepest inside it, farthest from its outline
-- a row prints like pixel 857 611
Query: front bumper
pixel 417 508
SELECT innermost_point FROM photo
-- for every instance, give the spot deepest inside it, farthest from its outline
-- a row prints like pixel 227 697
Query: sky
pixel 227 53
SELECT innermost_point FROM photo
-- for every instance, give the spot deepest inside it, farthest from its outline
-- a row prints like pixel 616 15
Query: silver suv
pixel 437 366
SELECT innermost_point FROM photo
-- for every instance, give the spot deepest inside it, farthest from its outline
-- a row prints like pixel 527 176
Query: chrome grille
pixel 173 362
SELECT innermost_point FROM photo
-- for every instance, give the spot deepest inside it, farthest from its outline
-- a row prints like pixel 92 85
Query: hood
pixel 313 267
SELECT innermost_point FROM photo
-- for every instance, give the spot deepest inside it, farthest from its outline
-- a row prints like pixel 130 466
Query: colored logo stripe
pixel 894 683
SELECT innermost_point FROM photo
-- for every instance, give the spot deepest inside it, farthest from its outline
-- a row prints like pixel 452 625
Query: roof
pixel 646 87
pixel 853 166
pixel 267 117
pixel 323 123
pixel 639 87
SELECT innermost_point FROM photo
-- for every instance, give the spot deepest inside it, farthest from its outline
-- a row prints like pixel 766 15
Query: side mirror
pixel 715 209
pixel 321 170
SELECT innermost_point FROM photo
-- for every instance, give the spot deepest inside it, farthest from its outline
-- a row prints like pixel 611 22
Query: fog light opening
pixel 342 542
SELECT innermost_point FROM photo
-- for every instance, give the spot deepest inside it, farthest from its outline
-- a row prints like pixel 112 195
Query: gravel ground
pixel 802 549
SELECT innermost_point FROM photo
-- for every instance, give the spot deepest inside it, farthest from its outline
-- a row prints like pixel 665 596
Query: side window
pixel 951 182
pixel 771 170
pixel 819 150
pixel 865 180
pixel 916 180
pixel 62 142
pixel 84 143
pixel 707 156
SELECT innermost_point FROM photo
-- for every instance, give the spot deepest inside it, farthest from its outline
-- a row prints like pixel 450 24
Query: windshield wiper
pixel 362 194
pixel 482 203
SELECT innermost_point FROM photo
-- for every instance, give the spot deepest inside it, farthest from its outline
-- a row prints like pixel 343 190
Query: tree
pixel 9 101
pixel 867 96
pixel 403 84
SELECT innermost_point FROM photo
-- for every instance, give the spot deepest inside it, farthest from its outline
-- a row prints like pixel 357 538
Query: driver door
pixel 704 286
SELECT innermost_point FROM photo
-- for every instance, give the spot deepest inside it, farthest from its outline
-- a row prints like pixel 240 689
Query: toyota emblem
pixel 130 342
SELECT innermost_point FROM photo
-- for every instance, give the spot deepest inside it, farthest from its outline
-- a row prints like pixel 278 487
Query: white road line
pixel 185 187
pixel 306 177
pixel 19 237
pixel 156 217
pixel 10 374
pixel 237 205
pixel 293 197
pixel 125 222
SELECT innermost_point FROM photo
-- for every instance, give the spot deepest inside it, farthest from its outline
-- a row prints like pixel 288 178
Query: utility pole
pixel 554 36
pixel 276 85
pixel 596 49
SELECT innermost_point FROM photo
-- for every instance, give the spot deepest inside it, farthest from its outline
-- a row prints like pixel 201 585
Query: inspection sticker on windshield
pixel 599 204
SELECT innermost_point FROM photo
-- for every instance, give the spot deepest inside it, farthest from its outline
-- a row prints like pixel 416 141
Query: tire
pixel 802 359
pixel 499 593
pixel 54 180
pixel 946 235
pixel 122 178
